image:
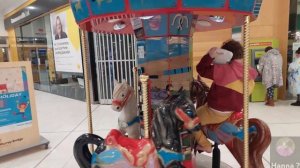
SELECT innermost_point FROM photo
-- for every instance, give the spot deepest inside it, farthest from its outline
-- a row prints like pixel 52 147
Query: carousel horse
pixel 230 132
pixel 170 145
pixel 124 101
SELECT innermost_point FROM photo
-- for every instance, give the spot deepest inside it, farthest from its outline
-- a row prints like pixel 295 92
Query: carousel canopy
pixel 157 18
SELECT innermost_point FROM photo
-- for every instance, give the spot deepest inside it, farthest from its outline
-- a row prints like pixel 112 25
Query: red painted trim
pixel 127 6
pixel 89 7
pixel 157 12
pixel 87 23
pixel 227 4
pixel 179 4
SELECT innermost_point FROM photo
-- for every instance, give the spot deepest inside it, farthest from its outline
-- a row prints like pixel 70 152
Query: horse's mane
pixel 165 126
pixel 198 92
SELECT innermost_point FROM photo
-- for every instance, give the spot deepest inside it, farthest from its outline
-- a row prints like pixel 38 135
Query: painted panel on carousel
pixel 107 6
pixel 80 9
pixel 152 4
pixel 167 62
pixel 156 26
pixel 180 24
pixel 155 49
pixel 203 3
pixel 242 5
pixel 256 9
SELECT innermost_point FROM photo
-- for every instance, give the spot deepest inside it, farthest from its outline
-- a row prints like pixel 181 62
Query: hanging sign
pixel 66 42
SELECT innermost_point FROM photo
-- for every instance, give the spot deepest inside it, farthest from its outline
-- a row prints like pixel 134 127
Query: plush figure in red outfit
pixel 225 67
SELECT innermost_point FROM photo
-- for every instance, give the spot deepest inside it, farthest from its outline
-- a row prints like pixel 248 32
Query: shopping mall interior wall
pixel 3 32
pixel 273 22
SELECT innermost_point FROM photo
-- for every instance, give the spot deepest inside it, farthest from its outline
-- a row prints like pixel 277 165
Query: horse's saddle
pixel 225 131
pixel 133 149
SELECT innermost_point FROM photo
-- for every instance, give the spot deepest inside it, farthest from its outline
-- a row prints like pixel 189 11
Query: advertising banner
pixel 66 42
pixel 15 111
pixel 18 122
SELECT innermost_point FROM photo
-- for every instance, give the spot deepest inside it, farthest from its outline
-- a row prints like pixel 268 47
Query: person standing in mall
pixel 270 67
pixel 294 78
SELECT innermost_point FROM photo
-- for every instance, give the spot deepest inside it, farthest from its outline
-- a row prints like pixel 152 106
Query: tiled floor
pixel 62 120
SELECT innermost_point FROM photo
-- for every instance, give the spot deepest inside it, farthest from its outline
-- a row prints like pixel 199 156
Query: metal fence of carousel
pixel 115 59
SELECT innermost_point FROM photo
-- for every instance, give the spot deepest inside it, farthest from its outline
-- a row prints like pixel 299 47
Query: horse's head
pixel 121 95
pixel 166 125
pixel 183 103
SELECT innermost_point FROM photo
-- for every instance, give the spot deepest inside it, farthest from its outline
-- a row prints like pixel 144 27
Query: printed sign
pixel 15 111
pixel 66 42
pixel 18 122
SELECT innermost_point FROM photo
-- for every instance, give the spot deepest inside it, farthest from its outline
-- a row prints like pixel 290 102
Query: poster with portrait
pixel 66 41
pixel 18 121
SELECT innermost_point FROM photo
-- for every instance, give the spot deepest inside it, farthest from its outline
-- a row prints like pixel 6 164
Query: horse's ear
pixel 180 90
pixel 124 81
pixel 116 82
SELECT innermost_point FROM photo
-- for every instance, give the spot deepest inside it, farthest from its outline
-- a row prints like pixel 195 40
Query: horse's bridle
pixel 120 103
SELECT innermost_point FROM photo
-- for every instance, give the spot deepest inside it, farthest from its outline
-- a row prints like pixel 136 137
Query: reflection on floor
pixel 62 120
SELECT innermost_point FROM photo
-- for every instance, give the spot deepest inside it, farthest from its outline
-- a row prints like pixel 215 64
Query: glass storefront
pixel 34 42
pixel 3 49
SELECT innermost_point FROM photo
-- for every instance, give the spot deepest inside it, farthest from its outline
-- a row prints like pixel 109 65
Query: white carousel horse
pixel 124 101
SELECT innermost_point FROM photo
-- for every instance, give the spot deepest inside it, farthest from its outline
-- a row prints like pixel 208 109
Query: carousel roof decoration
pixel 148 18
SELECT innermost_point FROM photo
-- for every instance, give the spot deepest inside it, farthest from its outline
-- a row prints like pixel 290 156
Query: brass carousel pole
pixel 86 81
pixel 246 41
pixel 144 81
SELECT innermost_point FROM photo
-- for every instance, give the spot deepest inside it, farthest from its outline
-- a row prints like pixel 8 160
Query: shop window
pixel 3 49
pixel 34 42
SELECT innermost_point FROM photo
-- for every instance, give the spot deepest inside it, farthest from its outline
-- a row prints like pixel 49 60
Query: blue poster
pixel 180 24
pixel 15 109
pixel 156 26
pixel 155 49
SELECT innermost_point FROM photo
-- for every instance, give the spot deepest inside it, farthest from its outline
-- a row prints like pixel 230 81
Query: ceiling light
pixel 119 26
pixel 31 7
pixel 218 19
pixel 113 20
pixel 146 17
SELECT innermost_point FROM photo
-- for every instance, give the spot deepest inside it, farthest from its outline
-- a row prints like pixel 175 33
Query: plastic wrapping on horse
pixel 170 146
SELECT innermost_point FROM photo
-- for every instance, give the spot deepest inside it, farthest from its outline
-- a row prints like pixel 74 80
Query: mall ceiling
pixel 9 5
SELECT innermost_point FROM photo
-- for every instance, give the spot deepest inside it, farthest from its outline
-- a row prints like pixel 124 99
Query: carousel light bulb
pixel 146 17
pixel 119 26
pixel 218 19
pixel 113 20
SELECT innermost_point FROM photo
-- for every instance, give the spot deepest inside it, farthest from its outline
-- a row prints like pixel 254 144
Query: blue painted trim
pixel 177 71
pixel 135 120
pixel 203 3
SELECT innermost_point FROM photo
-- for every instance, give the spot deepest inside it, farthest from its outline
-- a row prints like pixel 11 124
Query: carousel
pixel 158 116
